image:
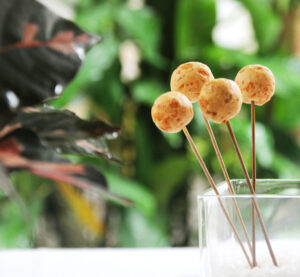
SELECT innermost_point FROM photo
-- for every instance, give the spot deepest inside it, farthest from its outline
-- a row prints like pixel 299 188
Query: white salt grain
pixel 287 253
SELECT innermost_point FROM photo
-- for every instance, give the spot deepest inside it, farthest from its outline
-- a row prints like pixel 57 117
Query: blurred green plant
pixel 158 169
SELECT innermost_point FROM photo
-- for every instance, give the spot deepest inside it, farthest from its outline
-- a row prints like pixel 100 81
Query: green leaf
pixel 31 187
pixel 194 22
pixel 98 19
pixel 286 110
pixel 143 200
pixel 285 168
pixel 146 91
pixel 99 60
pixel 165 180
pixel 14 232
pixel 267 24
pixel 142 25
pixel 283 6
pixel 109 93
pixel 264 140
pixel 141 231
pixel 264 145
pixel 145 148
pixel 175 139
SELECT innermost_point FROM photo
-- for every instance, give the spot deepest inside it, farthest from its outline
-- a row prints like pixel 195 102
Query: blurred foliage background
pixel 143 43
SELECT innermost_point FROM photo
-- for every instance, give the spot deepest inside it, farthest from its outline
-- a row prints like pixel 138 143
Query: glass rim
pixel 206 195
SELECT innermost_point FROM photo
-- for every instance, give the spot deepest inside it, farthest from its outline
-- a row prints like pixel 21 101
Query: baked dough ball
pixel 172 111
pixel 257 84
pixel 188 78
pixel 220 100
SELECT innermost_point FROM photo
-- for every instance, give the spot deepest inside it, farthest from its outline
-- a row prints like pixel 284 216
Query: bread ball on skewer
pixel 220 100
pixel 172 111
pixel 257 83
pixel 188 78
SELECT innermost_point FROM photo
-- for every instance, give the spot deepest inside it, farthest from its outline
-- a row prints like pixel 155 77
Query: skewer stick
pixel 253 144
pixel 253 181
pixel 211 181
pixel 237 149
pixel 225 173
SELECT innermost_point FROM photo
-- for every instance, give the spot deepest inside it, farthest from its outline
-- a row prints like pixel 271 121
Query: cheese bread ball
pixel 188 78
pixel 220 100
pixel 257 84
pixel 172 111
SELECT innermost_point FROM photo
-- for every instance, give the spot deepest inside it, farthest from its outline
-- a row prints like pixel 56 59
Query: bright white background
pixel 166 262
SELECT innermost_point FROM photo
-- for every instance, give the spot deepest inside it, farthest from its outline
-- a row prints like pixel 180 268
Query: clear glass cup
pixel 279 204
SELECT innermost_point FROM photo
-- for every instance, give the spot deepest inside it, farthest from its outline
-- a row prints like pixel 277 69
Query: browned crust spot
pixel 186 66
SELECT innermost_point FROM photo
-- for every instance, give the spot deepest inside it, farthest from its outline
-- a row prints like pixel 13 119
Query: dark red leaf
pixel 62 125
pixel 23 149
pixel 40 53
pixel 65 132
pixel 29 33
pixel 90 147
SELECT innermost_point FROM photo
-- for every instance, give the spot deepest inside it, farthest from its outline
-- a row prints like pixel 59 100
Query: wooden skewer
pixel 253 144
pixel 253 181
pixel 211 181
pixel 263 227
pixel 225 173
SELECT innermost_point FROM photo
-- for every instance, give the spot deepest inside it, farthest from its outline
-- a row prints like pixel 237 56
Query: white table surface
pixel 154 262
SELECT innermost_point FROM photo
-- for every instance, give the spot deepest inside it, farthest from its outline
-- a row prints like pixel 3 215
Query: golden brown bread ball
pixel 220 100
pixel 257 84
pixel 188 78
pixel 172 111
